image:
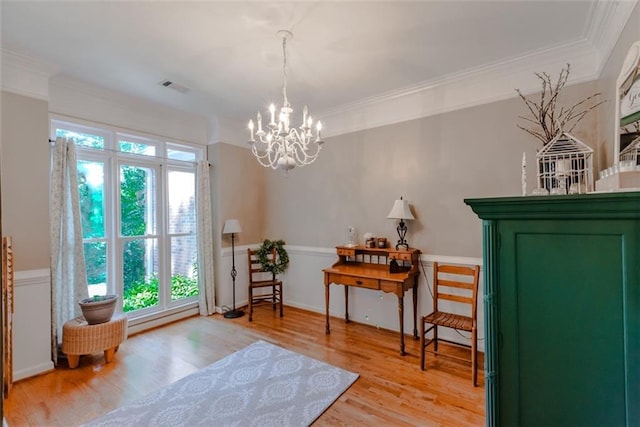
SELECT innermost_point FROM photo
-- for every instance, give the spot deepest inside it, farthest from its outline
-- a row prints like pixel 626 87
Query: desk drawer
pixel 346 251
pixel 360 282
pixel 402 256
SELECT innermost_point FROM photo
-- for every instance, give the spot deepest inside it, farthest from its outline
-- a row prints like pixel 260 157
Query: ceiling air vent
pixel 175 86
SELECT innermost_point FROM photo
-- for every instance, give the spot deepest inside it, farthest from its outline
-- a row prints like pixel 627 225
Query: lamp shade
pixel 400 210
pixel 231 226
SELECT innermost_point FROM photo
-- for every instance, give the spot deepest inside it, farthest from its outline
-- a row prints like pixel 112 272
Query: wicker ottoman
pixel 78 338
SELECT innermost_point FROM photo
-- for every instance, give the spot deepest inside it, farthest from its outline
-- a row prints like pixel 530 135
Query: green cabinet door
pixel 561 323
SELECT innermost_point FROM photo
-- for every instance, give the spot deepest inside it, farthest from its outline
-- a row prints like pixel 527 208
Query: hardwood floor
pixel 391 390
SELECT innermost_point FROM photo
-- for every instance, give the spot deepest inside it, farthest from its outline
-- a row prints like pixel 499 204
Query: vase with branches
pixel 548 118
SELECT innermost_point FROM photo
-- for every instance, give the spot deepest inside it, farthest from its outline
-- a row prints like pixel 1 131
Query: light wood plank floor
pixel 391 390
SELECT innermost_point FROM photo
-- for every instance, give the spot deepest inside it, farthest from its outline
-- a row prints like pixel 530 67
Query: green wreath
pixel 282 259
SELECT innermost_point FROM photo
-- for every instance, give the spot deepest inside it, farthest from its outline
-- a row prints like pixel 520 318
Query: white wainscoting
pixel 304 288
pixel 32 324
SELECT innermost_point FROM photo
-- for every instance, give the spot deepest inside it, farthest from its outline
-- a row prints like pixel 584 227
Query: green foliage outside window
pixel 133 207
pixel 143 294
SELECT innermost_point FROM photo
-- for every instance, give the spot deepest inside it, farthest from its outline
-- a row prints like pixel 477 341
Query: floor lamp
pixel 232 226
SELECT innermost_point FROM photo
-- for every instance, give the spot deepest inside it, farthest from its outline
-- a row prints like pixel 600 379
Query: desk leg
pixel 401 314
pixel 326 304
pixel 415 309
pixel 346 304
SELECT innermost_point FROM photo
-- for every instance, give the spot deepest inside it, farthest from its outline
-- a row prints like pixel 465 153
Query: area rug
pixel 260 385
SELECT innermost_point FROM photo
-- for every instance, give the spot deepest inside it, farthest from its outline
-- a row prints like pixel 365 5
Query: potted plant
pixel 98 308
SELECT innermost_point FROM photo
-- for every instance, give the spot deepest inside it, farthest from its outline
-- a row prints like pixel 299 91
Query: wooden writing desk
pixel 368 268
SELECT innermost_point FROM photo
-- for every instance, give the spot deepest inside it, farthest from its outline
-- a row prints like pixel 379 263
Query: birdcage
pixel 630 156
pixel 565 165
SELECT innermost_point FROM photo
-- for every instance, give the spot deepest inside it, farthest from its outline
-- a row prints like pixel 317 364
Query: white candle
pixel 251 128
pixel 524 173
pixel 259 122
pixel 272 109
pixel 305 111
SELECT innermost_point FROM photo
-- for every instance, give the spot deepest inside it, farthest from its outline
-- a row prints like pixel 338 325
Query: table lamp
pixel 232 226
pixel 400 210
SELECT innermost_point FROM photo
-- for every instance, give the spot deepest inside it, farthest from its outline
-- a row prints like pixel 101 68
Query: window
pixel 137 204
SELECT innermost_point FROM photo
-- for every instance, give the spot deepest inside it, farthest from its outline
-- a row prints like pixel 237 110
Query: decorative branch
pixel 631 128
pixel 547 120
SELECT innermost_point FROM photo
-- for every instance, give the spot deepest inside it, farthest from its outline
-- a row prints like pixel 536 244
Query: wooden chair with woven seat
pixel 261 279
pixel 458 285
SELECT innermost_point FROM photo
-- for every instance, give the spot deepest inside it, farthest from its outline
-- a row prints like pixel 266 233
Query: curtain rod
pixel 52 141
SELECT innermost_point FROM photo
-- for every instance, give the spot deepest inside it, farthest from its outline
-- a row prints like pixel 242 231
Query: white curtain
pixel 68 273
pixel 205 239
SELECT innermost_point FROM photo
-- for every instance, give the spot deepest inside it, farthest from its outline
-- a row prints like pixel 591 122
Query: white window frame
pixel 113 159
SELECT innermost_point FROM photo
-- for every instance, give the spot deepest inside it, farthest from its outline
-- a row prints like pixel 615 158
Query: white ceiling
pixel 342 52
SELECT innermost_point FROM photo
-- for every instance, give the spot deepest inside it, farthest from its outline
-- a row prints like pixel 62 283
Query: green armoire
pixel 562 309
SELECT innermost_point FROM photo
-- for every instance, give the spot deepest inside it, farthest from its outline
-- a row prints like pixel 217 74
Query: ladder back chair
pixel 262 279
pixel 459 286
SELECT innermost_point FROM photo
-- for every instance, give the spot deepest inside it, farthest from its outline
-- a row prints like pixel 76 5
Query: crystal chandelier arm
pixel 304 149
pixel 268 159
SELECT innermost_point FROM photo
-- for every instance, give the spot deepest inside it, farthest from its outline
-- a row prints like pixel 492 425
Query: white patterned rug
pixel 260 385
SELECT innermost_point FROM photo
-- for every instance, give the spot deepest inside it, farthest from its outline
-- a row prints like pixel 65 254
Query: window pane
pixel 181 152
pixel 95 255
pixel 82 139
pixel 137 201
pixel 182 206
pixel 184 267
pixel 137 148
pixel 181 155
pixel 140 274
pixel 91 191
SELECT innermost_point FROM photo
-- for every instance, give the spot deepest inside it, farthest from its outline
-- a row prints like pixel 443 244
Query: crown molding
pixel 489 83
pixel 25 75
pixel 477 86
pixel 606 24
pixel 79 99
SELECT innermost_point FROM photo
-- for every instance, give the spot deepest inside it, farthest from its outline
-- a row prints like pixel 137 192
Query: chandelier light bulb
pixel 272 110
pixel 259 118
pixel 305 112
pixel 282 146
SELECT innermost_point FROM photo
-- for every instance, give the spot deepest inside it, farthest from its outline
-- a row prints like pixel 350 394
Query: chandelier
pixel 281 145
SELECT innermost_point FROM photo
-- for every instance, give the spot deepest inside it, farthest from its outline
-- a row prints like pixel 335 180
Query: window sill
pixel 154 320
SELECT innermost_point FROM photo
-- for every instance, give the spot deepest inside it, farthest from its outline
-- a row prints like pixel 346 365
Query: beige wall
pixel 25 178
pixel 239 192
pixel 607 85
pixel 434 162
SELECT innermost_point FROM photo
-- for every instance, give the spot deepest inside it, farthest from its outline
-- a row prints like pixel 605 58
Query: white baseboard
pixel 32 371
